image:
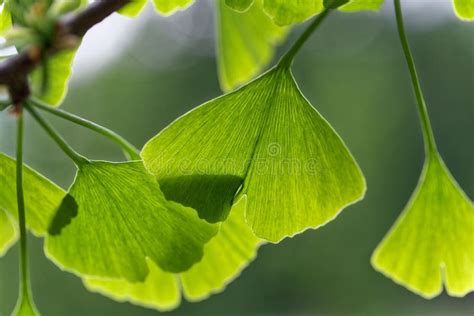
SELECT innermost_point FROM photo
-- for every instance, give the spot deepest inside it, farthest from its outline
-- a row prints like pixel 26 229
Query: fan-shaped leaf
pixel 225 256
pixel 294 168
pixel 8 232
pixel 246 43
pixel 42 197
pixel 122 218
pixel 433 240
pixel 464 9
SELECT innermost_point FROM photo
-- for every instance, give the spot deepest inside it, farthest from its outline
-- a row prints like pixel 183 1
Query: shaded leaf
pixel 297 173
pixel 8 232
pixel 433 240
pixel 122 219
pixel 42 197
pixel 464 9
pixel 225 256
pixel 239 5
pixel 59 70
pixel 246 43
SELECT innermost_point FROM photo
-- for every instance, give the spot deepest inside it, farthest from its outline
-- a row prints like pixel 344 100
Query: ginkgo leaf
pixel 286 12
pixel 114 217
pixel 266 137
pixel 168 7
pixel 246 43
pixel 225 256
pixel 134 8
pixel 8 232
pixel 59 70
pixel 42 197
pixel 5 19
pixel 239 5
pixel 432 243
pixel 464 9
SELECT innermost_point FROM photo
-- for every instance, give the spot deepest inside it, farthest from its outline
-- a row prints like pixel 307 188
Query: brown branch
pixel 14 71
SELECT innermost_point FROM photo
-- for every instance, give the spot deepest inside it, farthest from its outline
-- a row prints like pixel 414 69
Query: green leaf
pixel 42 197
pixel 134 8
pixel 8 232
pixel 119 218
pixel 168 7
pixel 286 12
pixel 433 240
pixel 239 5
pixel 5 19
pixel 25 307
pixel 246 43
pixel 334 4
pixel 295 170
pixel 161 290
pixel 464 9
pixel 59 70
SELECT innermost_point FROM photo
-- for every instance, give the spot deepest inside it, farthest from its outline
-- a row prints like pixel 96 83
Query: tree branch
pixel 14 71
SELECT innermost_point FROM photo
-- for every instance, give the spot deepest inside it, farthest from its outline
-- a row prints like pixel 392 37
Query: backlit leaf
pixel 168 7
pixel 59 70
pixel 246 43
pixel 8 232
pixel 42 197
pixel 225 256
pixel 134 8
pixel 432 243
pixel 5 19
pixel 239 5
pixel 464 9
pixel 266 137
pixel 119 218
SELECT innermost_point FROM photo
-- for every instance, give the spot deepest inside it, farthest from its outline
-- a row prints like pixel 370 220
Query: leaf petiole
pixel 130 151
pixel 430 144
pixel 25 303
pixel 76 157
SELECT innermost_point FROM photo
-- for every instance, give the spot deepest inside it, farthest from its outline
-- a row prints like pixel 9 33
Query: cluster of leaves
pixel 256 165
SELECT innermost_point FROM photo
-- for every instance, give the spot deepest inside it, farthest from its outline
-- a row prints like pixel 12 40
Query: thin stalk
pixel 287 59
pixel 25 301
pixel 77 158
pixel 130 150
pixel 430 144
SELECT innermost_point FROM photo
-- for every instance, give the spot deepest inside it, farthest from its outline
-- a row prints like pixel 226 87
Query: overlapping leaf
pixel 246 42
pixel 224 258
pixel 266 140
pixel 432 243
pixel 114 217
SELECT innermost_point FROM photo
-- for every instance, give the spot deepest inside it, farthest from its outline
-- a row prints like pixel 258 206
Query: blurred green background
pixel 353 72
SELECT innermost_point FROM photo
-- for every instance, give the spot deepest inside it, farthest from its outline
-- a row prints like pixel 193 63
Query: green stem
pixel 430 144
pixel 130 150
pixel 25 297
pixel 77 158
pixel 287 59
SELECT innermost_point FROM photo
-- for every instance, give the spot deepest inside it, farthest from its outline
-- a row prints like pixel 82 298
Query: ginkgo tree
pixel 184 215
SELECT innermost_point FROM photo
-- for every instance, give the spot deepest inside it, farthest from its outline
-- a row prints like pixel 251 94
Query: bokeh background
pixel 136 76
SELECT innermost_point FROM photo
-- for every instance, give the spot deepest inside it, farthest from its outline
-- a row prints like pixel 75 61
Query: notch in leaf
pixel 123 218
pixel 433 240
pixel 295 170
pixel 225 256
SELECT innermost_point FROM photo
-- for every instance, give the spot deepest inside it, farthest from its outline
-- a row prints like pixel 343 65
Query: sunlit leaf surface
pixel 464 9
pixel 246 43
pixel 225 256
pixel 134 8
pixel 5 20
pixel 168 7
pixel 8 232
pixel 239 5
pixel 114 217
pixel 432 243
pixel 42 197
pixel 266 137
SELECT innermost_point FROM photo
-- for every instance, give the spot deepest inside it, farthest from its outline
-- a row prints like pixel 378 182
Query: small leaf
pixel 168 7
pixel 464 9
pixel 239 5
pixel 296 171
pixel 122 219
pixel 8 232
pixel 246 44
pixel 42 197
pixel 134 8
pixel 161 290
pixel 433 240
pixel 59 70
pixel 5 19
